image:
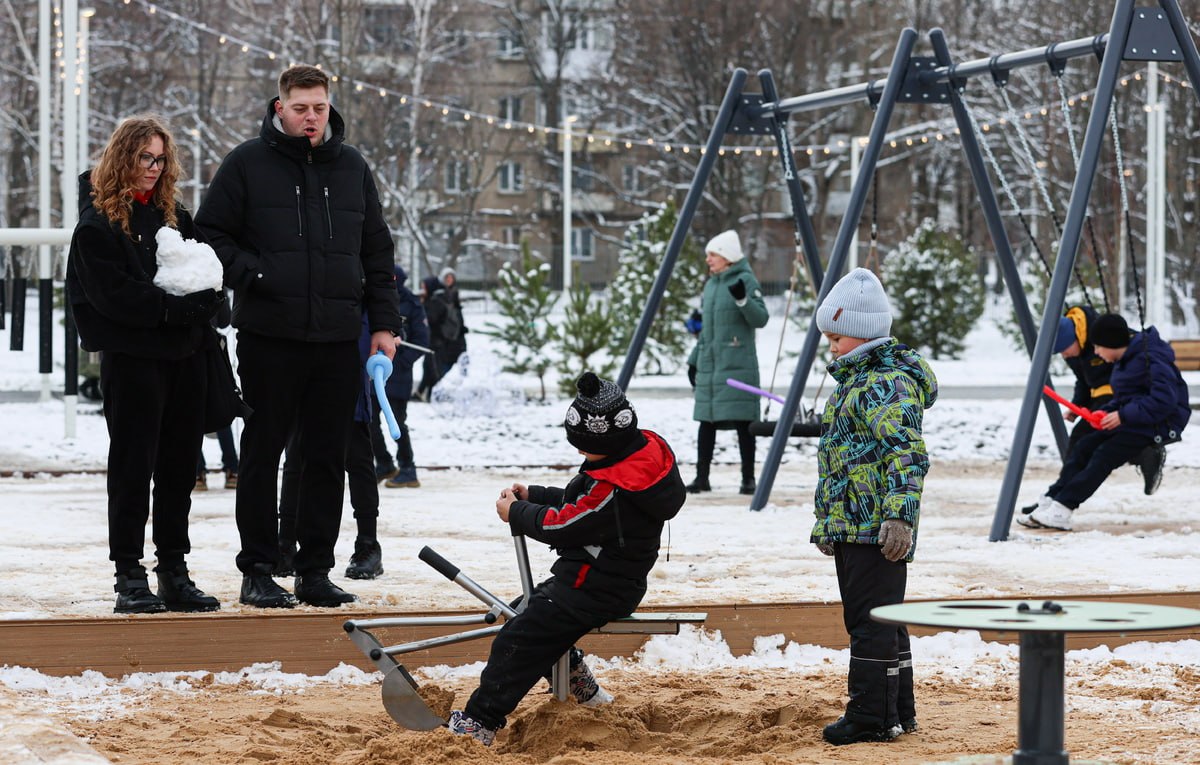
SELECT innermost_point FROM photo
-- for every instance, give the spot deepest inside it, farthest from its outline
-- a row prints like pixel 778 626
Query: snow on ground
pixel 482 433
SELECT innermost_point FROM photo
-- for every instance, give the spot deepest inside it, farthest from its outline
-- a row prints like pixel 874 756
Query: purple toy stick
pixel 751 389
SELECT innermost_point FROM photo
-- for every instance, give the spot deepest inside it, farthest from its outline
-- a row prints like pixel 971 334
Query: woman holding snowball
pixel 149 322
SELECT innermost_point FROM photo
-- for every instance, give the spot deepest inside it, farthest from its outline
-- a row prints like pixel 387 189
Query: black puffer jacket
pixel 301 234
pixel 110 283
pixel 605 525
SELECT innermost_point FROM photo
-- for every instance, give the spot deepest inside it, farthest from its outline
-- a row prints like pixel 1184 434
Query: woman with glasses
pixel 152 371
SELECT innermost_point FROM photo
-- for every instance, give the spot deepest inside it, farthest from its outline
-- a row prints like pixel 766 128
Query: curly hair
pixel 115 177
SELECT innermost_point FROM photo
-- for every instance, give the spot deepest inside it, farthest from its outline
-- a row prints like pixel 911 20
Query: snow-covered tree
pixel 646 244
pixel 584 337
pixel 525 300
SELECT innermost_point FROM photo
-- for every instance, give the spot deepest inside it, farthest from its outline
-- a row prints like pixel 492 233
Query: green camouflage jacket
pixel 871 455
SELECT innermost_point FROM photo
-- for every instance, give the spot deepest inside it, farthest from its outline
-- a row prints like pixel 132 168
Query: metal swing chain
pixel 1137 290
pixel 1095 247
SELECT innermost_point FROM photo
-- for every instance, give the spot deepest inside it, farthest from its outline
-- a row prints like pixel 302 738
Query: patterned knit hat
pixel 1110 331
pixel 856 307
pixel 600 420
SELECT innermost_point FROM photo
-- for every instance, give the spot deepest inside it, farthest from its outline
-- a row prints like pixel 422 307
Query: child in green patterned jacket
pixel 872 464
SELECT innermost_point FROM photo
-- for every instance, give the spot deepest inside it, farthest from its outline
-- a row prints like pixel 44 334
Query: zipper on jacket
pixel 299 214
pixel 328 215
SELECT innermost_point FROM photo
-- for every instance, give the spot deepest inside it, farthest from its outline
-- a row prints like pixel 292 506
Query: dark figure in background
pixel 152 370
pixel 733 309
pixel 295 217
pixel 449 279
pixel 444 333
pixel 367 560
pixel 403 472
pixel 229 457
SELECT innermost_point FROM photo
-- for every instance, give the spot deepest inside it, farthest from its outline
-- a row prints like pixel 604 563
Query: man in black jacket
pixel 295 218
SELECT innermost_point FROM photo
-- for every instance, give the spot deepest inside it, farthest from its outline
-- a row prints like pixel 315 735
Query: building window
pixel 456 176
pixel 631 178
pixel 511 179
pixel 583 244
pixel 510 46
pixel 510 236
pixel 510 108
pixel 583 177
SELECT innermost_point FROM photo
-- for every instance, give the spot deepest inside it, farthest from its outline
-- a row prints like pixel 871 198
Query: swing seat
pixel 766 428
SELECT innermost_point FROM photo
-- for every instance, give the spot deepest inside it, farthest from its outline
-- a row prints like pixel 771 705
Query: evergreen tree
pixel 524 299
pixel 586 330
pixel 668 342
pixel 933 285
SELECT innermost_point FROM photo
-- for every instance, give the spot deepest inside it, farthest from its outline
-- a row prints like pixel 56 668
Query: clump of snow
pixel 185 265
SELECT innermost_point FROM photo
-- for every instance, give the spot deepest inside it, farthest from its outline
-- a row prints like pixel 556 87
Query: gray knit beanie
pixel 856 307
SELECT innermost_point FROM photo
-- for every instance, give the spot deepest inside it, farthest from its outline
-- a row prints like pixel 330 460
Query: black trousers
pixel 1092 460
pixel 525 651
pixel 360 472
pixel 308 388
pixel 880 694
pixel 706 443
pixel 154 410
pixel 404 450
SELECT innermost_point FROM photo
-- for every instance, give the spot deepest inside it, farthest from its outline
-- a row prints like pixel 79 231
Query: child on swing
pixel 606 526
pixel 1149 408
pixel 872 464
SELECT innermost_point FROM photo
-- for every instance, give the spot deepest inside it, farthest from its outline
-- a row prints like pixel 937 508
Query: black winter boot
pixel 287 558
pixel 906 706
pixel 315 589
pixel 134 596
pixel 699 485
pixel 847 731
pixel 180 593
pixel 261 591
pixel 367 560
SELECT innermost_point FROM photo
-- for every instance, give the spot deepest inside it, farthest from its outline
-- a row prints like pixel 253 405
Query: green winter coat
pixel 871 457
pixel 725 347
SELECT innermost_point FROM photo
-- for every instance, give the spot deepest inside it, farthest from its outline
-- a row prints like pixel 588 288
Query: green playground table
pixel 1041 627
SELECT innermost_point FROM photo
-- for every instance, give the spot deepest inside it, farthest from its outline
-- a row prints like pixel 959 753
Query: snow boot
pixel 847 731
pixel 134 596
pixel 1150 463
pixel 180 593
pixel 584 688
pixel 462 725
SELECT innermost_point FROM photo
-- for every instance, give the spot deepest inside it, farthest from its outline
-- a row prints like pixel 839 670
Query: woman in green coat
pixel 733 309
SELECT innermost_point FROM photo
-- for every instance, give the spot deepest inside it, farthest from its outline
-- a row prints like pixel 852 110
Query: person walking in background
pixel 871 462
pixel 295 217
pixel 399 389
pixel 733 308
pixel 229 457
pixel 449 279
pixel 443 335
pixel 1149 408
pixel 152 369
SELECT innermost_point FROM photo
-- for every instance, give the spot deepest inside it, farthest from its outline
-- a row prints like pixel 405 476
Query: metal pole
pixel 566 203
pixel 837 262
pixel 85 75
pixel 69 185
pixel 686 212
pixel 45 35
pixel 856 146
pixel 195 169
pixel 1067 251
pixel 1040 705
pixel 1156 313
pixel 995 223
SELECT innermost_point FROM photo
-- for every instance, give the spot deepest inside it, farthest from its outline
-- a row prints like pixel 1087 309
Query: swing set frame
pixel 1135 34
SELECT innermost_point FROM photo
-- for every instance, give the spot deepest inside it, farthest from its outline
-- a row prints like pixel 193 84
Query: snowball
pixel 185 265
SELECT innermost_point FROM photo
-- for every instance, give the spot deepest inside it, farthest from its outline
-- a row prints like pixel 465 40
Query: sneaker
pixel 846 731
pixel 1055 516
pixel 315 589
pixel 585 689
pixel 1042 501
pixel 134 596
pixel 1150 463
pixel 461 725
pixel 230 479
pixel 699 485
pixel 367 560
pixel 201 483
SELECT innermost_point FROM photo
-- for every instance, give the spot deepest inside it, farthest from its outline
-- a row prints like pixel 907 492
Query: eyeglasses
pixel 149 160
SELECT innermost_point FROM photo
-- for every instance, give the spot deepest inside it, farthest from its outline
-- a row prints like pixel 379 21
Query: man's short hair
pixel 301 76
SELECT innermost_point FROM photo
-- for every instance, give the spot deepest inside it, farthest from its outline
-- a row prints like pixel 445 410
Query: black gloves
pixel 738 290
pixel 192 308
pixel 692 375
